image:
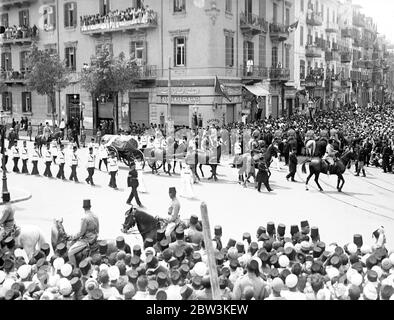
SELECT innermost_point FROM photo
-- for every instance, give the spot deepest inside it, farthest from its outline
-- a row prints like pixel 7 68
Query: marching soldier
pixel 90 166
pixel 48 162
pixel 25 157
pixel 113 170
pixel 35 157
pixel 15 156
pixel 103 154
pixel 61 163
pixel 54 150
pixel 74 165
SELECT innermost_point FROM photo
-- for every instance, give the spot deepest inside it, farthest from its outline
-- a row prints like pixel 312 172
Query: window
pixel 248 52
pixel 138 52
pixel 49 18
pixel 180 51
pixel 23 60
pixel 229 6
pixel 248 7
pixel 26 102
pixel 302 69
pixel 6 62
pixel 4 20
pixel 104 7
pixel 275 13
pixel 71 58
pixel 275 57
pixel 179 6
pixel 287 57
pixel 7 101
pixel 302 6
pixel 24 18
pixel 262 51
pixel 70 14
pixel 287 17
pixel 301 36
pixel 229 51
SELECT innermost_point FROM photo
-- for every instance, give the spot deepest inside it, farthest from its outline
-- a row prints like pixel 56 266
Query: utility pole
pixel 169 91
pixel 58 52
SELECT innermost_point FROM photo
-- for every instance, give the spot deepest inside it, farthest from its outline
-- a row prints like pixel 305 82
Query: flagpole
pixel 169 91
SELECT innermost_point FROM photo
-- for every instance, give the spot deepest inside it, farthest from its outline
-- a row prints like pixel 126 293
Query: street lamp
pixel 3 130
pixel 82 105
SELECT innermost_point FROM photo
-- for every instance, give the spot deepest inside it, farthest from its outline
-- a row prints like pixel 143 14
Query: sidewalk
pixel 18 195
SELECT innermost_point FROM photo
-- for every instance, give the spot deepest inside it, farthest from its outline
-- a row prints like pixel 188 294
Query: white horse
pixel 310 148
pixel 30 238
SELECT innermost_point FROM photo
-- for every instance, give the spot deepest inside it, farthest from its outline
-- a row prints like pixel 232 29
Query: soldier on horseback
pixel 173 212
pixel 87 235
pixel 331 155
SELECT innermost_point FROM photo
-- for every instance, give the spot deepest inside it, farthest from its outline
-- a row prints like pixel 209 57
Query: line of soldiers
pixel 54 154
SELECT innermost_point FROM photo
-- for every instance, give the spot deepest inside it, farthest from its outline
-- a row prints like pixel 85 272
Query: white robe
pixel 187 183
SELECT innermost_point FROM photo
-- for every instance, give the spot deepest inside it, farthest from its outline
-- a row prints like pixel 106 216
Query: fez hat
pixel 314 233
pixel 219 259
pixel 317 251
pixel 196 257
pixel 325 255
pixel 281 230
pixel 260 231
pixel 305 227
pixel 86 204
pixel 218 231
pixel 290 253
pixel 45 248
pixel 184 270
pixel 9 242
pixel 135 261
pixel 294 229
pixel 179 253
pixel 38 254
pixel 264 237
pixel 240 247
pixel 161 279
pixel 335 261
pixel 254 247
pixel 120 242
pixel 186 292
pixel 172 190
pixel 193 219
pixel 321 245
pixel 231 243
pixel 137 250
pixel 61 249
pixel 164 244
pixel 271 228
pixel 196 282
pixel 247 236
pixel 161 234
pixel 103 246
pixel 76 284
pixel 179 232
pixel 132 275
pixel 84 266
pixel 148 243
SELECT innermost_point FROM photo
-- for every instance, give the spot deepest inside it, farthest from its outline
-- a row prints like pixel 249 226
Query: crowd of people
pixel 19 32
pixel 141 15
pixel 277 263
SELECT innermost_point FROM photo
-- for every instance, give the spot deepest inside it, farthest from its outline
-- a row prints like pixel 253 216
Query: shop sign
pixel 181 100
pixel 215 122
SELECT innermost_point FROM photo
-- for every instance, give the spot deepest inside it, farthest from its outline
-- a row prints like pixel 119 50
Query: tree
pixel 109 75
pixel 46 75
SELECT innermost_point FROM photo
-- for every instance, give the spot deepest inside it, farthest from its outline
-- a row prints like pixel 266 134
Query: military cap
pixel 137 250
pixel 218 231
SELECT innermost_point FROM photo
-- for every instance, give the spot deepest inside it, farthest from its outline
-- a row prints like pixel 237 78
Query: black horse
pixel 147 225
pixel 41 140
pixel 318 166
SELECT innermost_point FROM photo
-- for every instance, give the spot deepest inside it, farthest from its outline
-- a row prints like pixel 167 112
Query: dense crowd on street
pixel 278 263
pixel 134 15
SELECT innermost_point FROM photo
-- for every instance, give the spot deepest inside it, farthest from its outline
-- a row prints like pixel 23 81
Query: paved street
pixel 366 203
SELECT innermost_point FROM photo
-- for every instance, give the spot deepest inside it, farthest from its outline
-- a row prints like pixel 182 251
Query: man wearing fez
pixel 173 212
pixel 88 233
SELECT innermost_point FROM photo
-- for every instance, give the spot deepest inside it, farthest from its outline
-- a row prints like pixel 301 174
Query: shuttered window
pixel 138 52
pixel 70 14
pixel 7 101
pixel 23 60
pixel 6 61
pixel 104 7
pixel 26 102
pixel 229 6
pixel 229 48
pixel 70 54
pixel 262 51
pixel 24 18
pixel 49 16
pixel 179 5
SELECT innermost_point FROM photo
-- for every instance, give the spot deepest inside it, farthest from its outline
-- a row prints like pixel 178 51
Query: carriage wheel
pixel 159 164
pixel 110 149
pixel 141 158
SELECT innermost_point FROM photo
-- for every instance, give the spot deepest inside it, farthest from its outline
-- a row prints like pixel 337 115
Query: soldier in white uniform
pixel 90 166
pixel 54 150
pixel 48 162
pixel 15 156
pixel 113 170
pixel 61 162
pixel 103 154
pixel 25 157
pixel 34 159
pixel 74 165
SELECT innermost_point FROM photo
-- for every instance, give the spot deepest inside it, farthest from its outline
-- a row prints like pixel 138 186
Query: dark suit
pixel 132 182
pixel 292 166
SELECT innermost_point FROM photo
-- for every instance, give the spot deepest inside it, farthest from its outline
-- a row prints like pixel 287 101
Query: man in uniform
pixel 7 222
pixel 15 156
pixel 88 233
pixel 25 157
pixel 173 212
pixel 61 163
pixel 74 165
pixel 48 162
pixel 90 166
pixel 47 131
pixel 330 155
pixel 292 165
pixel 132 182
pixel 113 170
pixel 35 157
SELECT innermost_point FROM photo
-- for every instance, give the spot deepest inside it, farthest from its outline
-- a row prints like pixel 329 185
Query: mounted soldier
pixel 7 223
pixel 331 155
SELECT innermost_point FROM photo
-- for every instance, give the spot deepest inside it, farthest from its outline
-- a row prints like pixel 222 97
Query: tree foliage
pixel 107 74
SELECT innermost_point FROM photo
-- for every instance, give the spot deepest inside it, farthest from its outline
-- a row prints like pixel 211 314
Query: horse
pixel 147 224
pixel 41 140
pixel 318 166
pixel 201 157
pixel 321 145
pixel 59 235
pixel 30 238
pixel 310 148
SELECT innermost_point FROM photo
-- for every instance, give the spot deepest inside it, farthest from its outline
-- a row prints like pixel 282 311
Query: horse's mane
pixel 142 218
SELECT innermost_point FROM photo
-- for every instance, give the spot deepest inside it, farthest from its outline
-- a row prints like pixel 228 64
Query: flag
pixel 293 27
pixel 220 89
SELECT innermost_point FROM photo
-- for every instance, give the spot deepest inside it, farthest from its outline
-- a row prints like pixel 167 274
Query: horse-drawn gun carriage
pixel 125 148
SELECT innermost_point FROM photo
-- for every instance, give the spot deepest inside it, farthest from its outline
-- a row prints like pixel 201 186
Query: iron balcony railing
pixel 19 34
pixel 279 74
pixel 92 25
pixel 279 32
pixel 146 72
pixel 254 72
pixel 13 76
pixel 250 22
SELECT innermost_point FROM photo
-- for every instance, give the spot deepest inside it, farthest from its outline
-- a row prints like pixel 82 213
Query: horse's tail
pixel 304 166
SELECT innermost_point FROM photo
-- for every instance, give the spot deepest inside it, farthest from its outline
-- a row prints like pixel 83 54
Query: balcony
pixel 314 19
pixel 7 4
pixel 313 51
pixel 278 32
pixel 92 26
pixel 331 27
pixel 347 33
pixel 254 72
pixel 359 20
pixel 279 74
pixel 19 35
pixel 146 73
pixel 252 24
pixel 13 77
pixel 346 83
pixel 332 56
pixel 346 57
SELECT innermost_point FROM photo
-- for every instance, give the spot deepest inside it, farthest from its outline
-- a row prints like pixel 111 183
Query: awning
pixel 258 90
